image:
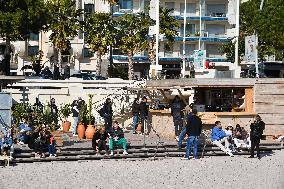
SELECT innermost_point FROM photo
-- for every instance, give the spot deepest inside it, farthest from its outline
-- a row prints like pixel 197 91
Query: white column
pixel 184 35
pixel 237 33
pixel 200 25
pixel 157 35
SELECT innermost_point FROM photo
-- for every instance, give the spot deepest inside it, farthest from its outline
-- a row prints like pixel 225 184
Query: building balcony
pixel 205 39
pixel 203 18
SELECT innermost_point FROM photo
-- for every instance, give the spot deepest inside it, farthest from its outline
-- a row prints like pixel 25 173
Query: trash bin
pixel 5 110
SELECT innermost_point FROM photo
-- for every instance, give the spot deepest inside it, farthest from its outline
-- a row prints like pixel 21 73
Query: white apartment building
pixel 209 23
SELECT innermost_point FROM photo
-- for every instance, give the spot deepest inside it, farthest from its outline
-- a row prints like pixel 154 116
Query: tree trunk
pixel 152 51
pixel 130 66
pixel 99 63
pixel 7 57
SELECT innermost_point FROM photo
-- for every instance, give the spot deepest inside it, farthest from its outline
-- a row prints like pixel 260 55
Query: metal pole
pixel 200 25
pixel 184 35
pixel 157 35
pixel 237 33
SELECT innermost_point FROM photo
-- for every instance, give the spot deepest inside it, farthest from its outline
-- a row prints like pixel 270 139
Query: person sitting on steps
pixel 218 137
pixel 117 138
pixel 99 140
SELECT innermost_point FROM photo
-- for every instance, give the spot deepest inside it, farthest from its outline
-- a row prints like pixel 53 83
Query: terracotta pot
pixel 66 126
pixel 81 131
pixel 139 128
pixel 90 131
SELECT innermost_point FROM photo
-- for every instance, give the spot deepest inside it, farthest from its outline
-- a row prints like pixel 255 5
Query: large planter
pixel 90 131
pixel 81 131
pixel 66 126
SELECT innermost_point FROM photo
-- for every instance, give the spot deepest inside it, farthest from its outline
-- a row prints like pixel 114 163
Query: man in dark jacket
pixel 193 130
pixel 54 111
pixel 135 114
pixel 256 131
pixel 143 113
pixel 107 111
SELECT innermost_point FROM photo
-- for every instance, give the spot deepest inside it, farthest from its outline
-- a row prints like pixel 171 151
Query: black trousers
pixel 108 123
pixel 255 145
pixel 101 145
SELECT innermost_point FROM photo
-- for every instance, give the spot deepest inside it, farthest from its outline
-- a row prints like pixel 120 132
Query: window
pixel 216 10
pixel 34 37
pixel 189 29
pixel 87 53
pixel 213 51
pixel 89 8
pixel 33 50
pixel 189 48
pixel 215 30
pixel 190 9
pixel 126 4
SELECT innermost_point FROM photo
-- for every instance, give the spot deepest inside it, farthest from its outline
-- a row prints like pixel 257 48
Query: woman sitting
pixel 99 140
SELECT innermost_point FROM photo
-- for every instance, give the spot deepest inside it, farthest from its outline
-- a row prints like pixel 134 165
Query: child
pixel 51 144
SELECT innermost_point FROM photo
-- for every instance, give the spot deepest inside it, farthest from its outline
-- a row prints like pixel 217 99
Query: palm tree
pixel 134 36
pixel 64 24
pixel 101 32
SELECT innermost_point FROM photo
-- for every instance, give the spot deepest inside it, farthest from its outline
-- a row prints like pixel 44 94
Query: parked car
pixel 268 69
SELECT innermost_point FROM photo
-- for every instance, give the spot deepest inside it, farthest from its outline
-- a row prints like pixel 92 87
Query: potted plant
pixel 90 129
pixel 64 112
pixel 82 120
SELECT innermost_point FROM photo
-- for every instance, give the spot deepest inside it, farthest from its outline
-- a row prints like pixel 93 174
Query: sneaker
pixel 125 152
pixel 21 143
pixel 251 157
pixel 50 155
pixel 177 139
pixel 184 158
pixel 230 154
pixel 111 153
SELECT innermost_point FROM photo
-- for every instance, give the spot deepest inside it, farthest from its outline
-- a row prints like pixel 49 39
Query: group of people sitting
pixel 115 136
pixel 40 139
pixel 228 140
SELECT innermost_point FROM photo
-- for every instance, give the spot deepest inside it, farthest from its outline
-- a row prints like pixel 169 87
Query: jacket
pixel 217 134
pixel 135 108
pixel 256 129
pixel 143 109
pixel 176 108
pixel 75 111
pixel 117 133
pixel 107 110
pixel 194 126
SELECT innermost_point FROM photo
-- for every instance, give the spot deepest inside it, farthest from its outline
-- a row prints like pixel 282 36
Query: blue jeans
pixel 51 149
pixel 181 136
pixel 75 123
pixel 135 123
pixel 191 141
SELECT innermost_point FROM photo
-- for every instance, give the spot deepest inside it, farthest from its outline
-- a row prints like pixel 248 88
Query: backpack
pixel 101 112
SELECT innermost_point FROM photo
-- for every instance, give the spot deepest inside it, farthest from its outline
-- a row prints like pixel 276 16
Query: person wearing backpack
pixel 256 131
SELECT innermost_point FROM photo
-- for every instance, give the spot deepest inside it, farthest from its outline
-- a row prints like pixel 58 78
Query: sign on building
pixel 199 58
pixel 250 48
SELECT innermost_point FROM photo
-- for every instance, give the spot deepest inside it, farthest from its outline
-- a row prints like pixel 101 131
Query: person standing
pixel 256 131
pixel 107 114
pixel 56 73
pixel 54 111
pixel 183 131
pixel 193 130
pixel 75 112
pixel 135 114
pixel 176 109
pixel 67 71
pixel 144 113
